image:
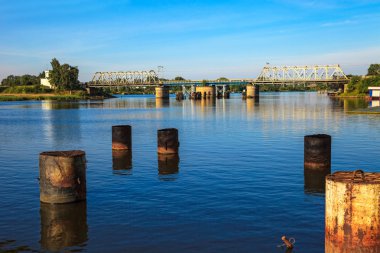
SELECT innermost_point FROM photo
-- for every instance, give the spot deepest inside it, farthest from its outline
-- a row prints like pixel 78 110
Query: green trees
pixel 222 79
pixel 179 78
pixel 23 80
pixel 63 77
pixel 374 70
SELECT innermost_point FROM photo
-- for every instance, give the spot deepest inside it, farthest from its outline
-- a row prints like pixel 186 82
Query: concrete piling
pixel 167 141
pixel 62 176
pixel 122 137
pixel 63 225
pixel 352 215
pixel 206 91
pixel 253 91
pixel 162 92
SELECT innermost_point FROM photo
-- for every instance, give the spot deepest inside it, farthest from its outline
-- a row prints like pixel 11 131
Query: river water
pixel 238 186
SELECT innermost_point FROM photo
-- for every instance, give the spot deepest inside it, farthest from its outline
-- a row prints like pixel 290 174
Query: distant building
pixel 374 93
pixel 45 81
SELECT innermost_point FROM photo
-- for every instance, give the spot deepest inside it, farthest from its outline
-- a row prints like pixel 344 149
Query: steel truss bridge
pixel 287 75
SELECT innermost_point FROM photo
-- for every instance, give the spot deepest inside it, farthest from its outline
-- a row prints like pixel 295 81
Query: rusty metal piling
pixel 317 162
pixel 167 141
pixel 62 176
pixel 122 137
pixel 352 215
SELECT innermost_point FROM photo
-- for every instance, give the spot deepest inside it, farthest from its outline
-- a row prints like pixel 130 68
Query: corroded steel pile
pixel 62 176
pixel 352 212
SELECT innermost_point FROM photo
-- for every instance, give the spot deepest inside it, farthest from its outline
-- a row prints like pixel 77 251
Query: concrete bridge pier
pixel 253 91
pixel 206 91
pixel 162 92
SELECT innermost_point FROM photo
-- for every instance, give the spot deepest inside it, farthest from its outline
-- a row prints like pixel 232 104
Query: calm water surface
pixel 238 187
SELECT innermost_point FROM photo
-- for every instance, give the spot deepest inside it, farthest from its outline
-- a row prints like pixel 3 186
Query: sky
pixel 195 39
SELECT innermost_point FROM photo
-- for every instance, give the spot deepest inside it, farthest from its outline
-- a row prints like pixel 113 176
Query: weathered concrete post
pixel 63 225
pixel 62 176
pixel 253 91
pixel 168 164
pixel 162 92
pixel 167 140
pixel 122 137
pixel 317 162
pixel 352 217
pixel 121 159
pixel 317 152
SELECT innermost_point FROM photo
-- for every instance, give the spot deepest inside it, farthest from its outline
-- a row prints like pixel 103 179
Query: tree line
pixel 358 85
pixel 62 77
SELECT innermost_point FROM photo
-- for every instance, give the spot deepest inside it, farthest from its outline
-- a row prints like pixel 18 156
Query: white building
pixel 374 93
pixel 45 81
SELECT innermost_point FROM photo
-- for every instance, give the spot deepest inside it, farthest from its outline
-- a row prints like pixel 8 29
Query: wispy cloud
pixel 339 23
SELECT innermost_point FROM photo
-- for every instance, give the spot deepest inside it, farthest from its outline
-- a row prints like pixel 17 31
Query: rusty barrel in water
pixel 121 159
pixel 168 164
pixel 62 176
pixel 317 152
pixel 63 225
pixel 167 141
pixel 352 216
pixel 122 137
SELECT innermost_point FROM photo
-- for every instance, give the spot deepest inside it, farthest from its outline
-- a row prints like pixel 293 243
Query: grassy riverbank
pixel 38 92
pixel 42 96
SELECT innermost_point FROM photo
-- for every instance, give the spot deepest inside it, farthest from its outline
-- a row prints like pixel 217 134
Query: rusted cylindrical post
pixel 121 159
pixel 162 92
pixel 317 152
pixel 62 176
pixel 168 164
pixel 167 140
pixel 352 217
pixel 63 225
pixel 122 137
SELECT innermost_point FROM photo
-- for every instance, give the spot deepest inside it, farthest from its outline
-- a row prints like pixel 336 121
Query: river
pixel 238 186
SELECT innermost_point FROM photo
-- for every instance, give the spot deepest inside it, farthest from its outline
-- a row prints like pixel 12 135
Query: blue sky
pixel 195 39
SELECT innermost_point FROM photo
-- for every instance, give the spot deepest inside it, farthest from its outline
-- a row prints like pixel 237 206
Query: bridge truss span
pixel 125 78
pixel 302 74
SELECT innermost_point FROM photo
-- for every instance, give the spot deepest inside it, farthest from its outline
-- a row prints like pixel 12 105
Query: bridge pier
pixel 206 91
pixel 162 92
pixel 253 91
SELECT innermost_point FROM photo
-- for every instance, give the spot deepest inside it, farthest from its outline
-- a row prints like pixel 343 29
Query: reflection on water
pixel 162 102
pixel 314 181
pixel 350 104
pixel 122 162
pixel 168 165
pixel 11 246
pixel 61 122
pixel 63 225
pixel 374 103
